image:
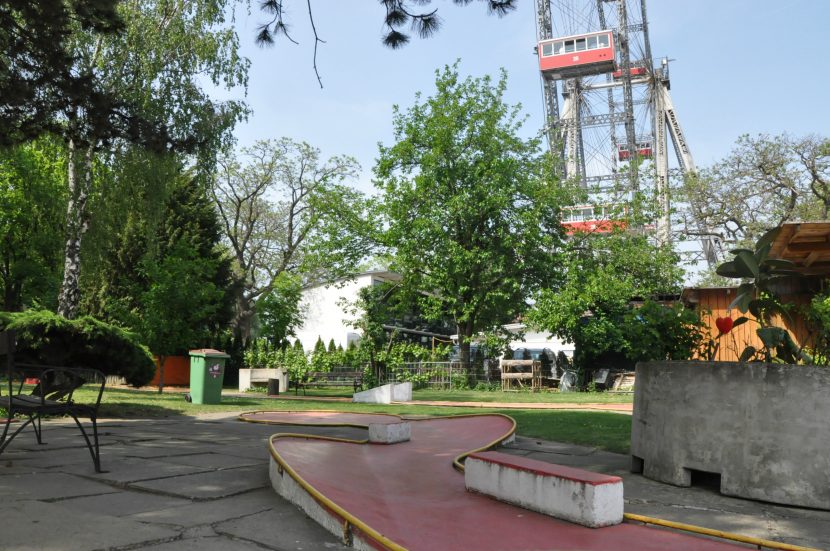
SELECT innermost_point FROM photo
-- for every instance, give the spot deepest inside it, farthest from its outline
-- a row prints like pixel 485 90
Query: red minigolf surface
pixel 411 494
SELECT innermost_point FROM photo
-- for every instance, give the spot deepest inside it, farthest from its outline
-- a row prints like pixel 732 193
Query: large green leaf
pixel 727 269
pixel 747 354
pixel 746 262
pixel 740 321
pixel 772 337
pixel 741 302
pixel 767 238
pixel 779 263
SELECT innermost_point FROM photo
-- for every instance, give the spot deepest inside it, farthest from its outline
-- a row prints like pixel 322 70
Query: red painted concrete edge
pixel 541 468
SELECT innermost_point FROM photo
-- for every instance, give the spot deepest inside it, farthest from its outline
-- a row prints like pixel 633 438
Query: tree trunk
pixel 77 222
pixel 465 337
pixel 162 359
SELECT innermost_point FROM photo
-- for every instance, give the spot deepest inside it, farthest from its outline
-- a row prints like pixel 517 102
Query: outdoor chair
pixel 36 391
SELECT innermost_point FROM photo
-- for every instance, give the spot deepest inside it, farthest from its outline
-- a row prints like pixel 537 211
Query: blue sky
pixel 740 66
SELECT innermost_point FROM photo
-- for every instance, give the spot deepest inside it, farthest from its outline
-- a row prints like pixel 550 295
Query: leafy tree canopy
pixel 468 209
pixel 604 273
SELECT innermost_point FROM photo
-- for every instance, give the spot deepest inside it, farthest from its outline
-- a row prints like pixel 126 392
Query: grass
pixel 523 396
pixel 494 396
pixel 608 431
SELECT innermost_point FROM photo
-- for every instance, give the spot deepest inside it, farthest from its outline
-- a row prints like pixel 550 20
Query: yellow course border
pixel 760 543
pixel 458 465
pixel 241 417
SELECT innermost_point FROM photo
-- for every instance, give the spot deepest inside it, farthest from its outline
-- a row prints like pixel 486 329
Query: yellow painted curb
pixel 769 544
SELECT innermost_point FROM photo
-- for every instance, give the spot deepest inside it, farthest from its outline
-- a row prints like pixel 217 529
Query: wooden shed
pixel 807 244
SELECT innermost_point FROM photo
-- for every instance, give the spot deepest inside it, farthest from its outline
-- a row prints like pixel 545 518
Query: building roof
pixel 807 244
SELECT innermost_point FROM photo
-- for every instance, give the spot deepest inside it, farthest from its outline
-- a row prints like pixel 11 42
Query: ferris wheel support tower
pixel 616 115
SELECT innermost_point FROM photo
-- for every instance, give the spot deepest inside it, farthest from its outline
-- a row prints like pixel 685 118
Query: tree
pixel 603 274
pixel 151 209
pixel 278 311
pixel 269 203
pixel 764 182
pixel 32 197
pixel 37 81
pixel 178 303
pixel 468 209
pixel 154 66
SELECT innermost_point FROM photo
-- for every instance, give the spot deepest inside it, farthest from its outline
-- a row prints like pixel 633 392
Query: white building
pixel 535 341
pixel 327 308
pixel 327 315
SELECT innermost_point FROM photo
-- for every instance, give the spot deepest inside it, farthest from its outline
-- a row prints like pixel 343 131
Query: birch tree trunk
pixel 77 222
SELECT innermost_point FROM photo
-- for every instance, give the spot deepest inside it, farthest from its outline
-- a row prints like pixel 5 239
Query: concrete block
pixel 385 394
pixel 389 433
pixel 247 378
pixel 402 392
pixel 761 427
pixel 590 499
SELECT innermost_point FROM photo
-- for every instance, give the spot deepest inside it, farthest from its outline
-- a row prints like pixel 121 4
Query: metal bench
pixel 37 391
pixel 330 378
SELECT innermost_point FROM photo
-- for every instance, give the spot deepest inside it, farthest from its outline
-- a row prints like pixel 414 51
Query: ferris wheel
pixel 609 111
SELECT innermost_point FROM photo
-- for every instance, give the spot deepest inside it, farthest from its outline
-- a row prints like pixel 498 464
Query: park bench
pixel 37 391
pixel 329 378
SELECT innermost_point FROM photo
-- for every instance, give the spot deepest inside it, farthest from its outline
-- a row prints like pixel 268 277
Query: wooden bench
pixel 579 496
pixel 37 391
pixel 330 378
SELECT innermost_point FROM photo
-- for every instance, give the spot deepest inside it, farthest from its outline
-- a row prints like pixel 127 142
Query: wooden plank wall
pixel 713 304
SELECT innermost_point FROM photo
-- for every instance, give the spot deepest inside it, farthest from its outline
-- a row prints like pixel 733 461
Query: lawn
pixel 609 431
pixel 495 396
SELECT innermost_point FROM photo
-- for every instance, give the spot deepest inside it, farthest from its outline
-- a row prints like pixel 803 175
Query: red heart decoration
pixel 724 324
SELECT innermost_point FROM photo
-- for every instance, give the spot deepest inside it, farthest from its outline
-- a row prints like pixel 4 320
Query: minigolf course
pixel 412 494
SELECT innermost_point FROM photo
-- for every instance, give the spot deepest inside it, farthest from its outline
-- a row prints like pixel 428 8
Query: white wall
pixel 325 310
pixel 539 339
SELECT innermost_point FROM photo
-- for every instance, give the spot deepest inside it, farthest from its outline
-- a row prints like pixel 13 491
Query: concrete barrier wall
pixel 765 428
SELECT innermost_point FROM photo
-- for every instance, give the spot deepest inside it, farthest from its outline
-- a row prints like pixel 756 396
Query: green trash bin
pixel 207 369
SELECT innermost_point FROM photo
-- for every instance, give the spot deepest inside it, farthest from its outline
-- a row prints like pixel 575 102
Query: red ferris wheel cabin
pixel 579 55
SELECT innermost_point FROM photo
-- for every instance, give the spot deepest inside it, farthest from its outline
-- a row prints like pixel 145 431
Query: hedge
pixel 47 338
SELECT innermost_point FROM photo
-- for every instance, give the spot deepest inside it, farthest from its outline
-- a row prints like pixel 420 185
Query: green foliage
pixel 160 270
pixel 818 314
pixel 44 337
pixel 756 296
pixel 593 306
pixel 278 310
pixel 180 301
pixel 32 207
pixel 467 208
pixel 654 331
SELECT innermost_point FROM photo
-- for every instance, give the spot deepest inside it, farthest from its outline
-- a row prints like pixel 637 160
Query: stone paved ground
pixel 202 483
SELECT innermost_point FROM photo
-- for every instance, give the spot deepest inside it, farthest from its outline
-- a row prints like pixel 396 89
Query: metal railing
pixel 441 375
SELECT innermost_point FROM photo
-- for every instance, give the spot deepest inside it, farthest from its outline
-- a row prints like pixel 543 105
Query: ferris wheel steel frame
pixel 600 113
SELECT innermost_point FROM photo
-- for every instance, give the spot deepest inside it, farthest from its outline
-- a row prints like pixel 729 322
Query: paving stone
pixel 42 526
pixel 216 460
pixel 49 486
pixel 209 485
pixel 215 543
pixel 288 529
pixel 133 469
pixel 210 512
pixel 124 503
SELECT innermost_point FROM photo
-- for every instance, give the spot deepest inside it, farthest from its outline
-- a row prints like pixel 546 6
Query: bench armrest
pixel 58 383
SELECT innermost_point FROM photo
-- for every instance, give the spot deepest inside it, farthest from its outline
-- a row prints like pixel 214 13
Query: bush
pixel 47 338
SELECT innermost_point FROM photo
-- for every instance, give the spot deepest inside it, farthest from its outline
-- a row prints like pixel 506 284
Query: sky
pixel 739 67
